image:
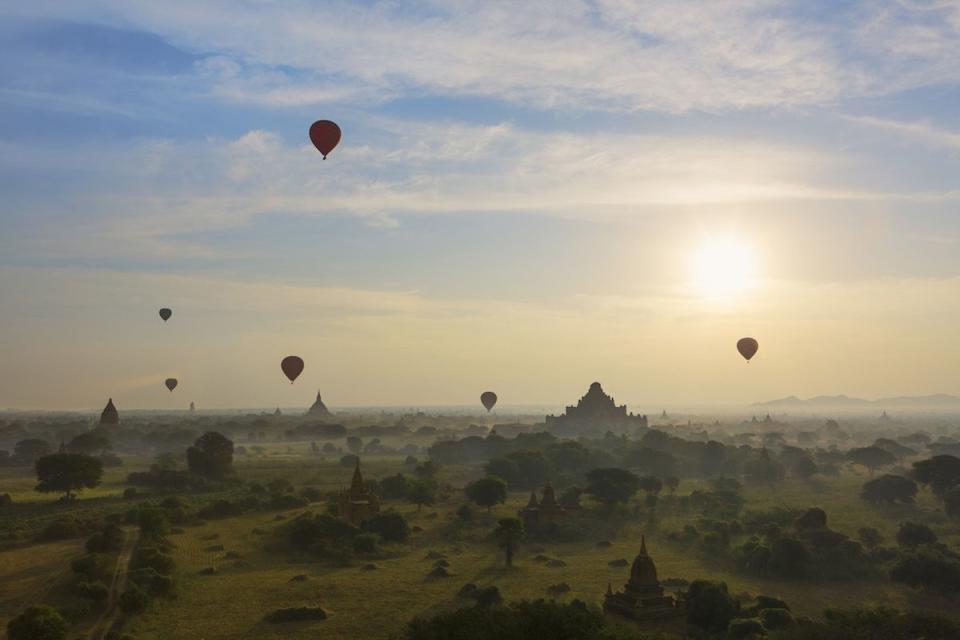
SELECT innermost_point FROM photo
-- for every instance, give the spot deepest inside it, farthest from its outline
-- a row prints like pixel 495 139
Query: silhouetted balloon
pixel 324 135
pixel 165 314
pixel 747 347
pixel 292 367
pixel 488 399
pixel 171 383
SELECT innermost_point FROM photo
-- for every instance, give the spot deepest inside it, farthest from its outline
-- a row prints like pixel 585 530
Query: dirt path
pixel 117 586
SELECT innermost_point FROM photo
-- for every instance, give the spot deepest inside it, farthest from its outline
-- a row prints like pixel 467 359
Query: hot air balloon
pixel 324 135
pixel 165 314
pixel 488 399
pixel 747 347
pixel 171 384
pixel 292 367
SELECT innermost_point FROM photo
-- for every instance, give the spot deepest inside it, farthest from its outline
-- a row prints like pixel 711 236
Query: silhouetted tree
pixel 870 537
pixel 951 502
pixel 390 525
pixel 650 485
pixel 508 533
pixel 913 534
pixel 940 473
pixel 37 623
pixel 394 487
pixel 487 492
pixel 889 489
pixel 672 483
pixel 354 444
pixel 27 451
pixel 710 606
pixel 612 485
pixel 89 443
pixel 67 472
pixel 421 492
pixel 211 456
pixel 871 457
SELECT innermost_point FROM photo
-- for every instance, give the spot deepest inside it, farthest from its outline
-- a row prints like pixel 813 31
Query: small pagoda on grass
pixel 642 598
pixel 357 504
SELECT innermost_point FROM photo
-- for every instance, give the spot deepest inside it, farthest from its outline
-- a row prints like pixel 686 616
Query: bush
pixel 912 534
pixel 465 512
pixel 92 566
pixel 96 591
pixel 134 600
pixel 709 605
pixel 365 543
pixel 930 569
pixel 744 628
pixel 61 529
pixel 110 539
pixel 37 623
pixel 293 614
pixel 390 525
pixel 774 619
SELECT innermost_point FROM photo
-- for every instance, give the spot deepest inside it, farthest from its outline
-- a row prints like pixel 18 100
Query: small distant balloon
pixel 324 135
pixel 171 384
pixel 292 367
pixel 747 347
pixel 165 314
pixel 488 399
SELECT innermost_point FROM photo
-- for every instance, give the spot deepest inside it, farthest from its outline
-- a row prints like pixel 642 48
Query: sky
pixel 527 197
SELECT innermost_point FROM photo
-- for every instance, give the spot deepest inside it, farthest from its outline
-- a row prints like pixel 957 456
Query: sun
pixel 723 267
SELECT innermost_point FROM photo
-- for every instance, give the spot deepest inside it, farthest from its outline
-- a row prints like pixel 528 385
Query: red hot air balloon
pixel 747 347
pixel 324 135
pixel 171 384
pixel 292 367
pixel 488 399
pixel 165 314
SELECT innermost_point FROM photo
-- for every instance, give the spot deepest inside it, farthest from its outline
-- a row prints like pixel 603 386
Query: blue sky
pixel 516 203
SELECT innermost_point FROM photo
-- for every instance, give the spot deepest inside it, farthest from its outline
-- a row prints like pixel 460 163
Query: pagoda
pixel 642 598
pixel 357 504
pixel 318 408
pixel 545 511
pixel 595 413
pixel 110 414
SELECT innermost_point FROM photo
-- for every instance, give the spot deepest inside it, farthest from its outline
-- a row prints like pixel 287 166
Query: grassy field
pixel 255 580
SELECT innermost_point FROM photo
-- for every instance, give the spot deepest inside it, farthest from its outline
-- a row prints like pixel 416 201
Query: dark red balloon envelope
pixel 488 399
pixel 324 135
pixel 171 384
pixel 747 347
pixel 292 367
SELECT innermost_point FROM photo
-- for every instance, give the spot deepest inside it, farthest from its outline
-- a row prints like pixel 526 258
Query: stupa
pixel 357 504
pixel 318 409
pixel 595 413
pixel 543 512
pixel 110 414
pixel 642 598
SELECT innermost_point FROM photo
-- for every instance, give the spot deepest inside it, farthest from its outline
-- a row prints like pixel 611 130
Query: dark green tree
pixel 710 606
pixel 871 457
pixel 889 489
pixel 67 473
pixel 421 492
pixel 940 473
pixel 508 534
pixel 487 492
pixel 37 623
pixel 211 456
pixel 612 485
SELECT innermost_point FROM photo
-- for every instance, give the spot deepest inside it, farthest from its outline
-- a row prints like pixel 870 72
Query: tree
pixel 672 483
pixel 67 473
pixel 390 525
pixel 889 489
pixel 30 449
pixel 871 457
pixel 951 503
pixel 709 605
pixel 651 485
pixel 508 534
pixel 421 492
pixel 394 487
pixel 37 623
pixel 870 537
pixel 487 492
pixel 928 568
pixel 426 470
pixel 89 443
pixel 763 469
pixel 804 467
pixel 612 485
pixel 354 444
pixel 913 534
pixel 211 456
pixel 940 473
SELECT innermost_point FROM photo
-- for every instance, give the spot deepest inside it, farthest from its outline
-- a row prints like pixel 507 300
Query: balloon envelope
pixel 488 399
pixel 171 383
pixel 747 347
pixel 324 135
pixel 165 314
pixel 292 367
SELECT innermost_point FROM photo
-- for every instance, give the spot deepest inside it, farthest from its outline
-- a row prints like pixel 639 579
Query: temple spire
pixel 643 544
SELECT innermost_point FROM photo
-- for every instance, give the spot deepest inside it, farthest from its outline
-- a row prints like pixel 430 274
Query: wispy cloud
pixel 920 131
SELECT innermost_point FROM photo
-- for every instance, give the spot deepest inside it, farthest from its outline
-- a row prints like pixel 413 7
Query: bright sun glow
pixel 723 267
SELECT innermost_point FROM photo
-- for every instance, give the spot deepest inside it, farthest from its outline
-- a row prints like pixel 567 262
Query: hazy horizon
pixel 525 199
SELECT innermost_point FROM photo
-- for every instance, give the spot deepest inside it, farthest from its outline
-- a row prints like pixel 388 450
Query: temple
pixel 595 413
pixel 546 511
pixel 642 598
pixel 110 414
pixel 357 504
pixel 318 409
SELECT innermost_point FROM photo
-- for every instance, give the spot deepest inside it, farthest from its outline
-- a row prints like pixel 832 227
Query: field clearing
pixel 28 574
